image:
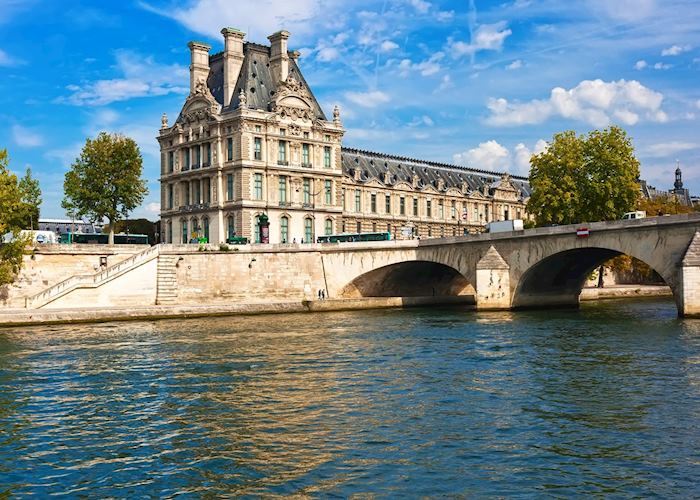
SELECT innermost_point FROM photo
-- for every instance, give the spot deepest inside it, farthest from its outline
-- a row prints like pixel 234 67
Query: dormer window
pixel 283 132
pixel 258 128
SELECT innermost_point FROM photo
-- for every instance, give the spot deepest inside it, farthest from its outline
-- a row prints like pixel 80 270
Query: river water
pixel 425 402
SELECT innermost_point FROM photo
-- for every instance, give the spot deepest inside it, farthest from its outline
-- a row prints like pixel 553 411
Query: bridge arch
pixel 557 279
pixel 413 278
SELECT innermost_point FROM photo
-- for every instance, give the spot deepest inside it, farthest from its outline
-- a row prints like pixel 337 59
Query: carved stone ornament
pixel 336 114
pixel 242 99
pixel 292 100
pixel 295 129
pixel 164 121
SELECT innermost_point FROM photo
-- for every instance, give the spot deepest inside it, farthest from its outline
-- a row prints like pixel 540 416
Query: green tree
pixel 30 193
pixel 105 181
pixel 11 212
pixel 584 178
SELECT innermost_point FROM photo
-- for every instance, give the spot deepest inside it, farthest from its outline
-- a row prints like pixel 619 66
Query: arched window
pixel 256 234
pixel 195 228
pixel 205 224
pixel 284 229
pixel 185 234
pixel 329 226
pixel 308 230
pixel 230 228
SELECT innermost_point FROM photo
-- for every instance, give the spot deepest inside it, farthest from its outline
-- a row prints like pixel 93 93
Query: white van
pixel 639 214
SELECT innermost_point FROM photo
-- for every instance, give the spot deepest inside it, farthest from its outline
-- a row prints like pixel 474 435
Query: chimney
pixel 279 57
pixel 233 60
pixel 199 65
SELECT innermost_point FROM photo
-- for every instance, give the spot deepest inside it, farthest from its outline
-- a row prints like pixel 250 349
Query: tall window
pixel 506 214
pixel 197 156
pixel 229 149
pixel 453 209
pixel 402 205
pixel 284 229
pixel 441 209
pixel 342 198
pixel 186 193
pixel 387 204
pixel 169 235
pixel 205 228
pixel 207 190
pixel 373 203
pixel 358 200
pixel 186 156
pixel 429 208
pixel 327 156
pixel 229 187
pixel 486 212
pixel 305 160
pixel 282 153
pixel 207 149
pixel 230 228
pixel 374 227
pixel 359 227
pixel 171 195
pixel 283 188
pixel 329 192
pixel 258 148
pixel 329 226
pixel 415 207
pixel 308 230
pixel 197 192
pixel 307 190
pixel 258 188
pixel 171 161
pixel 183 223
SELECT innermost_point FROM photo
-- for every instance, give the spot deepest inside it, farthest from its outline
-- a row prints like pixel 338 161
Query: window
pixel 229 149
pixel 284 229
pixel 388 228
pixel 197 192
pixel 256 235
pixel 402 205
pixel 415 207
pixel 306 135
pixel 282 153
pixel 518 215
pixel 329 227
pixel 430 231
pixel 205 228
pixel 342 198
pixel 441 209
pixel 342 226
pixel 305 161
pixel 171 195
pixel 307 191
pixel 308 230
pixel 283 132
pixel 186 157
pixel 506 214
pixel 207 149
pixel 358 200
pixel 197 157
pixel 186 193
pixel 486 212
pixel 207 190
pixel 329 192
pixel 374 227
pixel 258 128
pixel 327 138
pixel 258 148
pixel 373 203
pixel 169 234
pixel 171 161
pixel 453 209
pixel 327 156
pixel 185 239
pixel 359 227
pixel 230 228
pixel 283 189
pixel 387 204
pixel 229 187
pixel 257 194
pixel 429 208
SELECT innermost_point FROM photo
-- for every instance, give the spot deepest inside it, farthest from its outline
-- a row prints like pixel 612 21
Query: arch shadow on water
pixel 409 279
pixel 557 280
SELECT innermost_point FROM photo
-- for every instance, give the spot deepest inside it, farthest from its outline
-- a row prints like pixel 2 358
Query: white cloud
pixel 420 5
pixel 491 155
pixel 486 37
pixel 517 64
pixel 388 46
pixel 675 50
pixel 7 60
pixel 445 83
pixel 260 18
pixel 65 156
pixel 664 149
pixel 659 65
pixel 327 54
pixel 592 101
pixel 625 10
pixel 445 15
pixel 26 138
pixel 697 104
pixel 370 99
pixel 421 120
pixel 153 208
pixel 425 68
pixel 141 77
pixel 641 64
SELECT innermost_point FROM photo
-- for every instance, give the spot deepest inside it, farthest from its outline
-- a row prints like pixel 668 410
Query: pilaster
pixel 690 279
pixel 492 281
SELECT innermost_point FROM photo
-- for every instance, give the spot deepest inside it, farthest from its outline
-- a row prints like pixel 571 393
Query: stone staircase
pixel 91 280
pixel 167 280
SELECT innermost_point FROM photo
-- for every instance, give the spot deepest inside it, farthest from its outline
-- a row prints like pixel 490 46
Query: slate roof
pixel 373 165
pixel 255 78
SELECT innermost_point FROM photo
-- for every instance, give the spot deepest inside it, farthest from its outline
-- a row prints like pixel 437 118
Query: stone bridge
pixel 543 267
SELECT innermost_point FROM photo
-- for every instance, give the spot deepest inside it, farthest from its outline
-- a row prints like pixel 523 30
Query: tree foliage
pixel 30 194
pixel 105 181
pixel 12 210
pixel 666 204
pixel 584 178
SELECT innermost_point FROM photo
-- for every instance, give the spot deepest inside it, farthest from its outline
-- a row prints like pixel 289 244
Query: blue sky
pixel 478 83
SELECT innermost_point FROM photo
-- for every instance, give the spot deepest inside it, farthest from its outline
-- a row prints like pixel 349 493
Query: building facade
pixel 253 155
pixel 680 194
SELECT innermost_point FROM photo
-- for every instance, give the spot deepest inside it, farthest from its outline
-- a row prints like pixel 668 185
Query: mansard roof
pixel 373 165
pixel 255 79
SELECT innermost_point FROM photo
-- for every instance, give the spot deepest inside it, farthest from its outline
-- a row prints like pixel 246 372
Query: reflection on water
pixel 601 401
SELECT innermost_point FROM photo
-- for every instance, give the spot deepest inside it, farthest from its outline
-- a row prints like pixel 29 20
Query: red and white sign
pixel 582 232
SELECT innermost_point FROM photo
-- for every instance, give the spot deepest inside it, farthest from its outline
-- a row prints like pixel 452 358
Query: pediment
pixel 198 107
pixel 453 192
pixel 403 185
pixel 373 182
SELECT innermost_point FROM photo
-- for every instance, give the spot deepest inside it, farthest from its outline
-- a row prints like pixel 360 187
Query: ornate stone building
pixel 251 147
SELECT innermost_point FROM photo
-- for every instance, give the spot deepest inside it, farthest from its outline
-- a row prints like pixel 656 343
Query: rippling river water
pixel 602 401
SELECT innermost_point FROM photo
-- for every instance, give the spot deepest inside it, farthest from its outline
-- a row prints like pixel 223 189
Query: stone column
pixel 492 282
pixel 690 279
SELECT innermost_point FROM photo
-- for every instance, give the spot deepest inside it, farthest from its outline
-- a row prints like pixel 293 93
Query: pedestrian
pixel 319 294
pixel 323 294
pixel 294 241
